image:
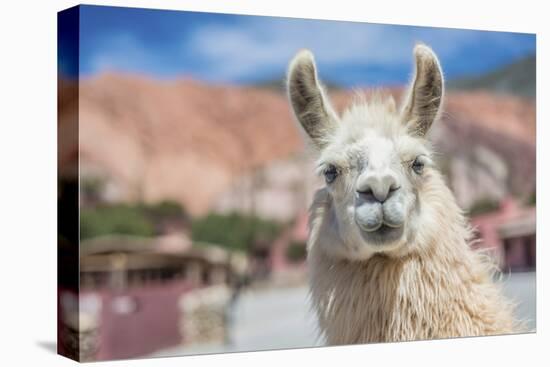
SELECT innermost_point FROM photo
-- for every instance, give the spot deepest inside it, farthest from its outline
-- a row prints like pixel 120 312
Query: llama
pixel 389 249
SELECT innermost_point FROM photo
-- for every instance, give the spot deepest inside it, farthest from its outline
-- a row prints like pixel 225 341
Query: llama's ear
pixel 423 101
pixel 309 102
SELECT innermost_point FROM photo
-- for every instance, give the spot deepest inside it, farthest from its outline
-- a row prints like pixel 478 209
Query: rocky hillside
pixel 196 143
pixel 518 78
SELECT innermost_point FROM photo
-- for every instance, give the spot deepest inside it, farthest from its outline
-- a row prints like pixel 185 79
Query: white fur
pixel 420 278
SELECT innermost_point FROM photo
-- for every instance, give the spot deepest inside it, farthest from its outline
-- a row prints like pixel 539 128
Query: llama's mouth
pixel 380 224
pixel 382 235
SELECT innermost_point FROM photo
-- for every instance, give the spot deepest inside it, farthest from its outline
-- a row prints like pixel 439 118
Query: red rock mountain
pixel 188 141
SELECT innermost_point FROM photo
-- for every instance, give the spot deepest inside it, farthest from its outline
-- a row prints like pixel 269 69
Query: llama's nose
pixel 377 187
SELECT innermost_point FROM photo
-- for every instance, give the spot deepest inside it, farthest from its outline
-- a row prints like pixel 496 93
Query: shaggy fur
pixel 427 282
pixel 443 290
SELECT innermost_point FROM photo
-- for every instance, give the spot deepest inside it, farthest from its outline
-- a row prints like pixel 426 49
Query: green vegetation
pixel 234 231
pixel 296 252
pixel 163 211
pixel 117 219
pixel 128 219
pixel 483 206
pixel 532 200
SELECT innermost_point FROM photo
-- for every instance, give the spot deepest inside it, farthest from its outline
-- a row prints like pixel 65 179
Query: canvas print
pixel 241 183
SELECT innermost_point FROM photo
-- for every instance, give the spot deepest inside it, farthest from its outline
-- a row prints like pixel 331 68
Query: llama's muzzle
pixel 370 216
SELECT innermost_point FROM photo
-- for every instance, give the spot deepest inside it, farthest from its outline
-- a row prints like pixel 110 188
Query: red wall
pixel 154 324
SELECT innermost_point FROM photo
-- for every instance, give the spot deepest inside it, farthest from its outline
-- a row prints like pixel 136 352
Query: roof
pixel 520 226
pixel 111 252
pixel 510 220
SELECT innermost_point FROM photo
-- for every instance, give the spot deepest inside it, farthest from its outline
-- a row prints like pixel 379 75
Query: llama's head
pixel 375 158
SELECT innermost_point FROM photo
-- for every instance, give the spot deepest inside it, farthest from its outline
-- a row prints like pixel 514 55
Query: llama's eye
pixel 418 165
pixel 330 174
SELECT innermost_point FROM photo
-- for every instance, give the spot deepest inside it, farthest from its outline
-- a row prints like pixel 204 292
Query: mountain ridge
pixel 190 142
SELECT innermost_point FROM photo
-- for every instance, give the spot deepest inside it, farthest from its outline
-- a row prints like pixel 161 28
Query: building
pixel 510 235
pixel 140 295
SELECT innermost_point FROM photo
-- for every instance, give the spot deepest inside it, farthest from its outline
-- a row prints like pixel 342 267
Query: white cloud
pixel 121 51
pixel 264 44
pixel 252 48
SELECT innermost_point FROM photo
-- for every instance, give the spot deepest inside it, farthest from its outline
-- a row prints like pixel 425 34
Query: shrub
pixel 130 219
pixel 483 206
pixel 234 231
pixel 165 212
pixel 164 209
pixel 296 252
pixel 115 219
pixel 532 200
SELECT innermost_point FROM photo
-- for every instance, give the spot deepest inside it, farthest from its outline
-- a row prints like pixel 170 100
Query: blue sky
pixel 221 48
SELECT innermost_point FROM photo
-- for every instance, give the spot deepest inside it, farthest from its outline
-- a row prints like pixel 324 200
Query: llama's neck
pixel 444 290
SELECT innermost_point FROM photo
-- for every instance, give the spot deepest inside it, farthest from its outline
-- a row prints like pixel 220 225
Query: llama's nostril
pixel 394 188
pixel 370 196
pixel 379 195
pixel 366 193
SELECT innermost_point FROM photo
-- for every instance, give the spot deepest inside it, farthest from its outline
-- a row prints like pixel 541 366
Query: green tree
pixel 483 206
pixel 114 219
pixel 234 231
pixel 296 251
